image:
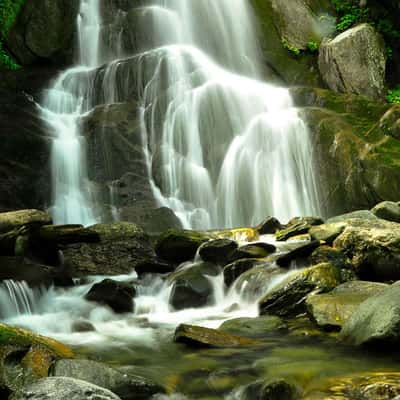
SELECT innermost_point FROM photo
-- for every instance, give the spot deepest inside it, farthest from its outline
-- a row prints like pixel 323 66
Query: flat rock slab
pixel 16 219
pixel 205 337
pixel 332 310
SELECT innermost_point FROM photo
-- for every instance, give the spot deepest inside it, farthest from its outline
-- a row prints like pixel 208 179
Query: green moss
pixel 9 10
pixel 393 95
pixel 294 50
pixel 312 46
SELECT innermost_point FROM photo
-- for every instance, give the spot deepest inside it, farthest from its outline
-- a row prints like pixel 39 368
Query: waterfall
pixel 232 149
pixel 222 147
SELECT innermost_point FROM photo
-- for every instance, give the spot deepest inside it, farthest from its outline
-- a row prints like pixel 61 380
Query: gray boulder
pixel 359 214
pixel 354 62
pixel 376 321
pixel 332 310
pixel 61 388
pixel 388 210
pixel 128 387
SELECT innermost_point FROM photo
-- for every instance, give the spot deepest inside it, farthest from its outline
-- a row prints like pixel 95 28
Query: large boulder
pixel 191 286
pixel 198 336
pixel 332 310
pixel 44 30
pixel 122 246
pixel 218 250
pixel 373 247
pixel 128 387
pixel 117 295
pixel 376 321
pixel 355 62
pixel 29 218
pixel 60 388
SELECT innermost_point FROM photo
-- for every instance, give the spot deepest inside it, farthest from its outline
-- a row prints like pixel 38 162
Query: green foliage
pixel 9 10
pixel 312 46
pixel 294 50
pixel 393 95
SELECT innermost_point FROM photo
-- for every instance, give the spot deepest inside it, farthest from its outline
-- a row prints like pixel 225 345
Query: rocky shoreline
pixel 342 279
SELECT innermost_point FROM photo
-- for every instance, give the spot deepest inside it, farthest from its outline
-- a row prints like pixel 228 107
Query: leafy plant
pixel 294 50
pixel 312 46
pixel 9 10
pixel 393 95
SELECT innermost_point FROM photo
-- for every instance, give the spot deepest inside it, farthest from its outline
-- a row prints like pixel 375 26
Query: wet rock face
pixel 59 388
pixel 354 62
pixel 117 295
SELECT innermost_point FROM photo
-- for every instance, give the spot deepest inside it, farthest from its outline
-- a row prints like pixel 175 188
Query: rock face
pixel 60 388
pixel 44 30
pixel 205 337
pixel 373 247
pixel 117 295
pixel 376 320
pixel 128 387
pixel 332 310
pixel 354 62
pixel 358 164
pixel 122 246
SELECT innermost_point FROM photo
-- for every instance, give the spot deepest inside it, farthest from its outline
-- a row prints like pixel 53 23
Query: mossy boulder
pixel 331 310
pixel 23 218
pixel 180 245
pixel 288 298
pixel 327 232
pixel 297 226
pixel 388 210
pixel 218 250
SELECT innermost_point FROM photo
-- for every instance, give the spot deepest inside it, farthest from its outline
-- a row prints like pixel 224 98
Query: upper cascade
pixel 222 147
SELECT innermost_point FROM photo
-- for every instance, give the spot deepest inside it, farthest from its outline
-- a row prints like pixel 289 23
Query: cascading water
pixel 225 149
pixel 62 106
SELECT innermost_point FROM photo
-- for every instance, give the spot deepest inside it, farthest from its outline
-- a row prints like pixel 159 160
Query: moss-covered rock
pixel 180 245
pixel 27 218
pixel 288 298
pixel 297 226
pixel 218 250
pixel 388 210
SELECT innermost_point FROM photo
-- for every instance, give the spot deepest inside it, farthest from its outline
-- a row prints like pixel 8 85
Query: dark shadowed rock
pixel 270 390
pixel 234 270
pixel 117 295
pixel 205 337
pixel 302 251
pixel 218 250
pixel 253 250
pixel 269 226
pixel 297 226
pixel 191 286
pixel 126 386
